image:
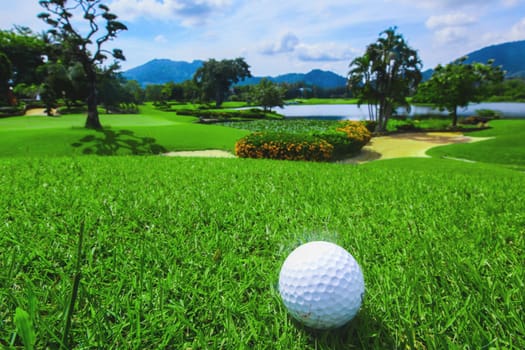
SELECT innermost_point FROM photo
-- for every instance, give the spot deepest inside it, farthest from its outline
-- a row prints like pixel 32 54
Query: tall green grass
pixel 185 253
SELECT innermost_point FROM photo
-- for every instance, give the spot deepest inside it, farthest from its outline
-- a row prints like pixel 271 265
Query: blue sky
pixel 282 36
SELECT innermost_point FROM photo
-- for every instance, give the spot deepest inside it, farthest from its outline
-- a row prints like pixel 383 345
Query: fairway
pixel 186 252
pixel 151 132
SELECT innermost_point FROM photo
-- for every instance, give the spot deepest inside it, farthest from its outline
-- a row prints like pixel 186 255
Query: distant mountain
pixel 160 71
pixel 511 56
pixel 316 77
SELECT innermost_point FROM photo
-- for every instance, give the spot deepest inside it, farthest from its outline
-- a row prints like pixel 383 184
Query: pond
pixel 353 112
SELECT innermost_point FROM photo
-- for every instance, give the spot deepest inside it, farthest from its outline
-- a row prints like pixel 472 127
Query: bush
pixel 226 115
pixel 11 111
pixel 343 139
pixel 487 113
pixel 482 117
pixel 284 146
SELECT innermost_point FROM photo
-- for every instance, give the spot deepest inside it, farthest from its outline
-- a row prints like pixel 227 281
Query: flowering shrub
pixel 284 146
pixel 340 140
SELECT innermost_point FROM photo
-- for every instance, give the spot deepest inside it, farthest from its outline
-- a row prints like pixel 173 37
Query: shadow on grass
pixel 110 142
pixel 363 332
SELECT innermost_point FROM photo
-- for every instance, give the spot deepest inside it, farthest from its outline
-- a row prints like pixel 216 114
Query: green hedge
pixel 343 140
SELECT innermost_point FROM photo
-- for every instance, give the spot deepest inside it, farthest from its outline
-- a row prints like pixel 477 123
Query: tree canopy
pixel 385 76
pixel 86 43
pixel 457 84
pixel 268 94
pixel 215 78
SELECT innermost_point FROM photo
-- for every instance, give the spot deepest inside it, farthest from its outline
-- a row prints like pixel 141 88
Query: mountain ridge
pixel 509 55
pixel 161 71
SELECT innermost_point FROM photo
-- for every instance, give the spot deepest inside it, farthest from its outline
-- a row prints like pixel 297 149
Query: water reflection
pixel 353 112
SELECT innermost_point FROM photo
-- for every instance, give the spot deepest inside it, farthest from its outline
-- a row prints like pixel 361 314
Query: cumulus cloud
pixel 322 52
pixel 190 12
pixel 451 27
pixel 455 19
pixel 287 43
pixel 518 30
pixel 325 52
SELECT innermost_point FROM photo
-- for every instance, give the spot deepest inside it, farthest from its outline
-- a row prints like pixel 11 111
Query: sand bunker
pixel 37 111
pixel 212 153
pixel 408 145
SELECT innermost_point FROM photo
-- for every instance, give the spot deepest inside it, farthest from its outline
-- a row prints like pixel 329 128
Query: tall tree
pixel 457 84
pixel 5 74
pixel 25 50
pixel 385 76
pixel 268 94
pixel 85 44
pixel 215 78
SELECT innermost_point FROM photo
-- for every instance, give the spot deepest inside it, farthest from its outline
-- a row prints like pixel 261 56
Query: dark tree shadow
pixel 110 142
pixel 363 332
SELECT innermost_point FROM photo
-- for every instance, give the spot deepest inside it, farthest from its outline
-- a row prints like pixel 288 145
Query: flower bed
pixel 339 141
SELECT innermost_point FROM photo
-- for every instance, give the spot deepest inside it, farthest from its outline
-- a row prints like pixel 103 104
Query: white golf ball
pixel 321 285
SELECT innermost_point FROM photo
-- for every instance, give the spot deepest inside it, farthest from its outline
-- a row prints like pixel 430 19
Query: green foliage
pixel 214 78
pixel 25 328
pixel 6 69
pixel 457 84
pixel 267 95
pixel 84 44
pixel 509 90
pixel 24 50
pixel 228 115
pixel 315 143
pixel 385 76
pixel 293 126
pixel 284 147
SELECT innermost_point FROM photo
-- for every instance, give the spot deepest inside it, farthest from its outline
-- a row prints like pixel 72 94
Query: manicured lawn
pixel 506 148
pixel 185 252
pixel 150 132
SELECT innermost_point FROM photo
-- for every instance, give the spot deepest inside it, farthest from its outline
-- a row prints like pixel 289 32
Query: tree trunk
pixel 218 98
pixel 381 116
pixel 455 116
pixel 92 121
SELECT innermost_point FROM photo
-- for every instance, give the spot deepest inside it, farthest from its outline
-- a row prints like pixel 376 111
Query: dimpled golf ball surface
pixel 321 285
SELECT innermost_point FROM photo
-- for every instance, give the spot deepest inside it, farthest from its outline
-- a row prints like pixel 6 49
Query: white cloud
pixel 190 12
pixel 325 52
pixel 287 43
pixel 451 28
pixel 455 19
pixel 161 39
pixel 321 52
pixel 517 31
pixel 451 35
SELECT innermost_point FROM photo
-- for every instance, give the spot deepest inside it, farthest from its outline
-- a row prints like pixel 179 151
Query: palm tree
pixel 387 74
